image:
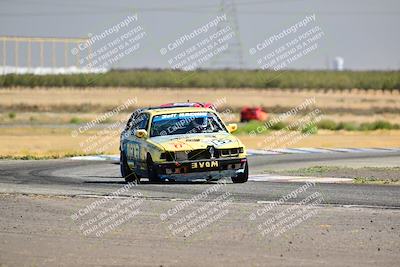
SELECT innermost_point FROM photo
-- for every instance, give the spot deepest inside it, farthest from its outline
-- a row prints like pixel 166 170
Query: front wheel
pixel 242 177
pixel 152 172
pixel 126 172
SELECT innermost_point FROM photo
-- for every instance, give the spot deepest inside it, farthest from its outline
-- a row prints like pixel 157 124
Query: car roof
pixel 159 111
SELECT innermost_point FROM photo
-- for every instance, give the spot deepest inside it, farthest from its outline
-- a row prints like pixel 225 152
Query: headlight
pixel 174 156
pixel 168 156
pixel 181 155
pixel 241 150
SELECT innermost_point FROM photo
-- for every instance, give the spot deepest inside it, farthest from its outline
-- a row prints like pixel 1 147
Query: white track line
pixel 254 178
pixel 113 158
pixel 300 150
pixel 297 179
pixel 310 150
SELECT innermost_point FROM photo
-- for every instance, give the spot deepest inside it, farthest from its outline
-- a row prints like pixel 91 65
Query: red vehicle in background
pixel 257 113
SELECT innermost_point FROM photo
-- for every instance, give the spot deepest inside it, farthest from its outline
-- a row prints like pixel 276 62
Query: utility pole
pixel 232 57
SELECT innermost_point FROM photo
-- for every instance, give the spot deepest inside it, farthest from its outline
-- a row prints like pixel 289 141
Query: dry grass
pixel 61 103
pixel 39 141
pixel 236 98
pixel 341 139
pixel 55 142
pixel 32 118
pixel 65 118
pixel 56 118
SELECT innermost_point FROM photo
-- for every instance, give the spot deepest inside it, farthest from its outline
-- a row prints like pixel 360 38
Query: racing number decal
pixel 178 145
pixel 129 151
pixel 132 151
pixel 221 142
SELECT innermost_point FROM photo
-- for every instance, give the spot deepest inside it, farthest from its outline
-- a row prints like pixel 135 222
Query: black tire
pixel 242 177
pixel 126 172
pixel 152 173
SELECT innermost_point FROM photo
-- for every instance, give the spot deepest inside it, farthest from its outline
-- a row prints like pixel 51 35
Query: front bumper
pixel 211 169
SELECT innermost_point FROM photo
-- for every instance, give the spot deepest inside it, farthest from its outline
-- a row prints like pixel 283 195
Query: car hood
pixel 196 141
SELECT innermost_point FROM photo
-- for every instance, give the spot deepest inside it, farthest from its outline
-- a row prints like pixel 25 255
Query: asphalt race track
pixel 353 225
pixel 68 177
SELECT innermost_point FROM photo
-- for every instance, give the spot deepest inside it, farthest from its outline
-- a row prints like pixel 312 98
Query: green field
pixel 388 80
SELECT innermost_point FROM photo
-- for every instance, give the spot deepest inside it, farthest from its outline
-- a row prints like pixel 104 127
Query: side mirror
pixel 232 127
pixel 141 133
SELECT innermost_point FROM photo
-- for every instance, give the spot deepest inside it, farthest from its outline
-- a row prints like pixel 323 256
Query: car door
pixel 134 145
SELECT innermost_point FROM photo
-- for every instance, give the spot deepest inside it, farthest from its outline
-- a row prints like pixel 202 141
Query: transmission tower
pixel 232 57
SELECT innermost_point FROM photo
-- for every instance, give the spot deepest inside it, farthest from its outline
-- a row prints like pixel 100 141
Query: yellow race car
pixel 181 143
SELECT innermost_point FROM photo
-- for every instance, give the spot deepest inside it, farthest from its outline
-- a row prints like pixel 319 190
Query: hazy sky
pixel 366 33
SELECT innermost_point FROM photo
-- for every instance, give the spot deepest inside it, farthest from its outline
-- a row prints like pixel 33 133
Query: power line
pixel 98 9
pixel 232 57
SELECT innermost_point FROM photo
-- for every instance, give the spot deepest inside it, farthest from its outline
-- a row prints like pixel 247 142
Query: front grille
pixel 199 154
pixel 229 152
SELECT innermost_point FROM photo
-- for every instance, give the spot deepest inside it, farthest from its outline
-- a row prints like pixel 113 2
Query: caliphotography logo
pixel 199 133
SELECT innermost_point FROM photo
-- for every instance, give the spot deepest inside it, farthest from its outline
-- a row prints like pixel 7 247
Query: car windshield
pixel 186 123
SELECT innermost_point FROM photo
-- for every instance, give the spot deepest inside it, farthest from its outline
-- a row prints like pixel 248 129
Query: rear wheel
pixel 126 172
pixel 242 177
pixel 152 172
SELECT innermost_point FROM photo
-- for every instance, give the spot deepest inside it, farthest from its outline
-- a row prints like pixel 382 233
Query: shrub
pixel 327 125
pixel 382 125
pixel 377 125
pixel 348 126
pixel 76 120
pixel 366 126
pixel 12 115
pixel 383 80
pixel 309 129
pixel 278 126
pixel 323 124
pixel 250 127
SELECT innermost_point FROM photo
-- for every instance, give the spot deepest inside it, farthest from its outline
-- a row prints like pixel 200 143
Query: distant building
pixel 338 64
